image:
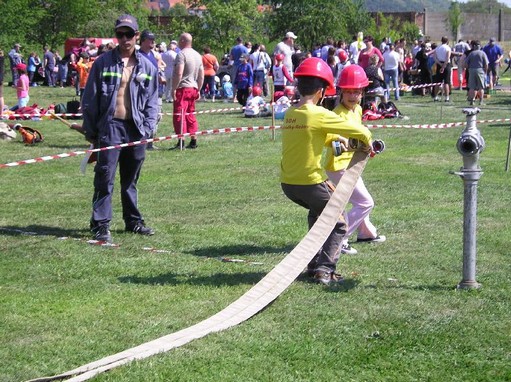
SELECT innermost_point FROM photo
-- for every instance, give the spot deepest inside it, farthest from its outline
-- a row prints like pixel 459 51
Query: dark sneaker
pixel 140 229
pixel 328 278
pixel 180 145
pixel 192 144
pixel 102 233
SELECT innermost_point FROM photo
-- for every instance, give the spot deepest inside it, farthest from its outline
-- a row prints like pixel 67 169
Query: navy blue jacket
pixel 99 97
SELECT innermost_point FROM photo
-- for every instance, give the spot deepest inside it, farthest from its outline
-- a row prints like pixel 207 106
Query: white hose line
pixel 253 301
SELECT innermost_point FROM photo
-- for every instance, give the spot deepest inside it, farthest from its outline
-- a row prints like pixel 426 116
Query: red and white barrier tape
pixel 228 130
pixel 135 143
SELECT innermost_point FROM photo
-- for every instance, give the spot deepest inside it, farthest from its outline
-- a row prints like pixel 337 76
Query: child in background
pixel 352 83
pixel 256 105
pixel 83 67
pixel 303 179
pixel 283 100
pixel 227 91
pixel 22 87
pixel 280 73
pixel 244 80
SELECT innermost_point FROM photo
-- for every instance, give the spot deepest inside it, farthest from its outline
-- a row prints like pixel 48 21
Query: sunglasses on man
pixel 128 34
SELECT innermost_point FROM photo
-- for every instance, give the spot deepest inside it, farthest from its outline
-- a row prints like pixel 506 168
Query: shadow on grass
pixel 217 279
pixel 41 230
pixel 238 250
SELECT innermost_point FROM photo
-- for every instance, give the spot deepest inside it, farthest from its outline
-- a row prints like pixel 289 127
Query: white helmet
pixel 226 78
pixel 217 79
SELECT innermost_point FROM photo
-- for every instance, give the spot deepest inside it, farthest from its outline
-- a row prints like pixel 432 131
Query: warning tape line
pixel 135 143
pixel 227 130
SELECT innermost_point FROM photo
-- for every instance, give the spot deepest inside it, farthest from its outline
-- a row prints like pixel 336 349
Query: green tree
pixel 222 21
pixel 455 18
pixel 315 20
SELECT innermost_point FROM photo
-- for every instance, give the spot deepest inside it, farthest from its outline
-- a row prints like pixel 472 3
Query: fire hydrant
pixel 470 144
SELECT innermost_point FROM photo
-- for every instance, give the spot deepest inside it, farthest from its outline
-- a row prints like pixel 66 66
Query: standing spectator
pixel 477 64
pixel 286 47
pixel 376 79
pixel 147 49
pixel 390 70
pixel 49 66
pixel 422 58
pixel 63 63
pixel 459 55
pixel 267 66
pixel 400 48
pixel 2 59
pixel 83 67
pixel 279 73
pixel 22 87
pixel 352 85
pixel 187 80
pixel 442 56
pixel 15 58
pixel 168 58
pixel 325 49
pixel 258 62
pixel 415 48
pixel 235 56
pixel 494 53
pixel 119 106
pixel 33 63
pixel 367 52
pixel 356 46
pixel 384 44
pixel 244 80
pixel 210 63
pixel 303 179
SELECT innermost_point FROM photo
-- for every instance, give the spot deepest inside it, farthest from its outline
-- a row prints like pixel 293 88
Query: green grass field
pixel 398 317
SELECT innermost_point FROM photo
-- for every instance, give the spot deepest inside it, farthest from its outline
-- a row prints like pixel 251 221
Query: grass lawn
pixel 399 317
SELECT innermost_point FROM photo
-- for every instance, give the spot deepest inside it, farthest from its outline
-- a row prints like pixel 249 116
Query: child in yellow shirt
pixel 352 82
pixel 303 179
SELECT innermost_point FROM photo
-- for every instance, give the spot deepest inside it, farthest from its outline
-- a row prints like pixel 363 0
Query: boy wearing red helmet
pixel 303 180
pixel 352 83
pixel 256 105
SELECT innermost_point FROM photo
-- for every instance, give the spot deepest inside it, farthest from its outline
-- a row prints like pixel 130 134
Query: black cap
pixel 127 21
pixel 147 35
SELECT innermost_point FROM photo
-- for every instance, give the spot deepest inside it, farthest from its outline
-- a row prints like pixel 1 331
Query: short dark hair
pixel 309 85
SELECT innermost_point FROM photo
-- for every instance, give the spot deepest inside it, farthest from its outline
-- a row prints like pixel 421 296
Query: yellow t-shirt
pixel 304 133
pixel 341 162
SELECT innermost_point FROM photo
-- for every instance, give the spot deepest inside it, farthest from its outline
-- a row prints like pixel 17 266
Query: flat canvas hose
pixel 253 301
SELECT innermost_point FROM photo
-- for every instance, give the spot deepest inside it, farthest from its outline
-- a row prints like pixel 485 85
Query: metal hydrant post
pixel 470 144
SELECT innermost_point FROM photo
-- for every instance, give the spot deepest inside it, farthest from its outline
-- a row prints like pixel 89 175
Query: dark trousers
pixel 130 160
pixel 314 198
pixel 242 96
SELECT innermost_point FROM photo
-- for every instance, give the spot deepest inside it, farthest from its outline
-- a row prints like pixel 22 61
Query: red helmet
pixel 343 56
pixel 289 91
pixel 315 67
pixel 353 77
pixel 257 91
pixel 279 57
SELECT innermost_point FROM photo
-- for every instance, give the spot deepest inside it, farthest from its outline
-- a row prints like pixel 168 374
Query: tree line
pixel 217 23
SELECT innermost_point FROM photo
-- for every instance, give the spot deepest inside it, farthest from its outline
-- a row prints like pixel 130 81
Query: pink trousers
pixel 362 204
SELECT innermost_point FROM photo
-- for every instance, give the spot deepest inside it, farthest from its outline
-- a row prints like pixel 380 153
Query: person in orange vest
pixel 83 67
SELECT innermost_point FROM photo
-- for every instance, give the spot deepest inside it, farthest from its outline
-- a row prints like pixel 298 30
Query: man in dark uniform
pixel 120 105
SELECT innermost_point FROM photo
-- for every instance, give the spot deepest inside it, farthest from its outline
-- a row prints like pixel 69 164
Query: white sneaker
pixel 377 239
pixel 347 249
